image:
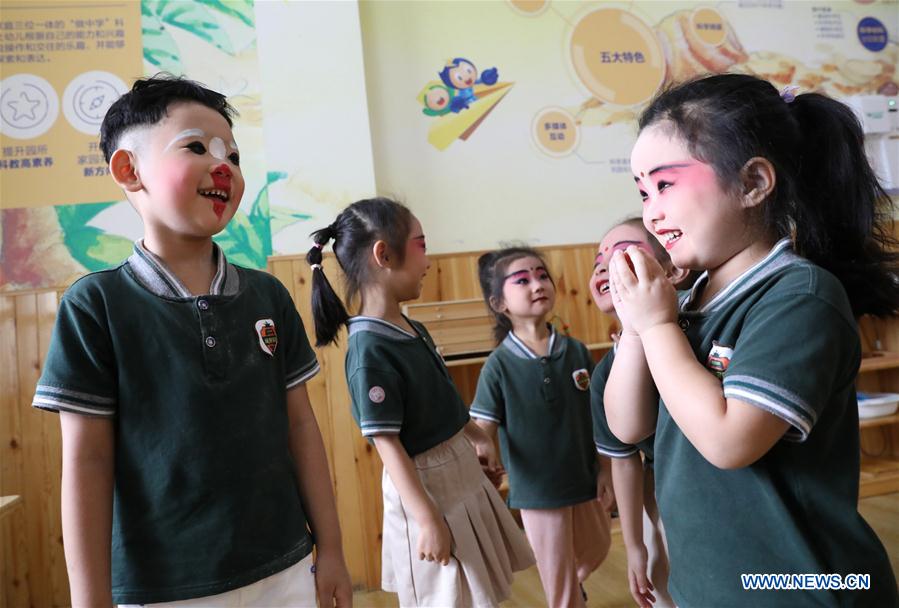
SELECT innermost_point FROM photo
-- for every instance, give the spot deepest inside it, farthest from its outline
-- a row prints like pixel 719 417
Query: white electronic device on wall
pixel 879 116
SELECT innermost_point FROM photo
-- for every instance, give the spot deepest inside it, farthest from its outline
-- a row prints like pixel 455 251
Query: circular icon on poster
pixel 616 56
pixel 28 106
pixel 88 97
pixel 709 26
pixel 555 131
pixel 872 34
pixel 529 8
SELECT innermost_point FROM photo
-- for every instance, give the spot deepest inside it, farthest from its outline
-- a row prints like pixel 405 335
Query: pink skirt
pixel 487 546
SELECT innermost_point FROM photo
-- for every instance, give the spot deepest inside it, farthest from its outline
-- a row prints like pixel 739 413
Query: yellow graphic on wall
pixel 616 56
pixel 450 127
pixel 460 101
pixel 555 132
pixel 619 62
pixel 62 66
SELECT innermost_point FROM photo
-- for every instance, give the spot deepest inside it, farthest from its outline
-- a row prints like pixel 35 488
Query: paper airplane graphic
pixel 447 129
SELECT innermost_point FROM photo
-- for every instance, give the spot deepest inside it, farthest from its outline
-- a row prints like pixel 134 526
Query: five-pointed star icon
pixel 24 107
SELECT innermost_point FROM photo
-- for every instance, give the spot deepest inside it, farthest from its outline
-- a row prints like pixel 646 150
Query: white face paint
pixel 217 148
pixel 184 135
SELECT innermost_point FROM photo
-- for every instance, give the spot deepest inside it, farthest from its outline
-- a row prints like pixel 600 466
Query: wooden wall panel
pixel 33 569
pixel 14 565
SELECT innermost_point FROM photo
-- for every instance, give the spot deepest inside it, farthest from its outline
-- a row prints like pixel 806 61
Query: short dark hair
pixel 148 102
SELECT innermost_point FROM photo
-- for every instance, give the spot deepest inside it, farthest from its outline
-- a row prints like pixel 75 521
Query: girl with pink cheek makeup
pixel 534 392
pixel 631 475
pixel 448 539
pixel 748 380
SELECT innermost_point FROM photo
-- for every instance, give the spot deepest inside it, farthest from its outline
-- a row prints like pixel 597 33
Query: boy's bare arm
pixel 332 580
pixel 88 478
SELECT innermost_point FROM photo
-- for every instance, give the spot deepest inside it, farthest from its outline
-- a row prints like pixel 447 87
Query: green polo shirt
pixel 206 496
pixel 605 441
pixel 399 385
pixel 542 407
pixel 782 338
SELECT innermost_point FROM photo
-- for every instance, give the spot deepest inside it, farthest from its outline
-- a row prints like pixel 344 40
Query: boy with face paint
pixel 192 463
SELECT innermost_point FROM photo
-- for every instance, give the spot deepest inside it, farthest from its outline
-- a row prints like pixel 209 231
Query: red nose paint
pixel 440 102
pixel 221 178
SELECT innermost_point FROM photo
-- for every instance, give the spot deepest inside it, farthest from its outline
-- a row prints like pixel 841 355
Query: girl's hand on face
pixel 643 297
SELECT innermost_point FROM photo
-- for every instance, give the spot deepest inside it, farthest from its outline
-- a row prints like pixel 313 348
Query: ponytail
pixel 354 232
pixel 493 290
pixel 842 215
pixel 328 311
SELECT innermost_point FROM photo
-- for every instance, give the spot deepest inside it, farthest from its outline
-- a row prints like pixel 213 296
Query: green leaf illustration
pixel 282 217
pixel 247 240
pixel 239 9
pixel 160 49
pixel 89 246
pixel 191 17
pixel 242 243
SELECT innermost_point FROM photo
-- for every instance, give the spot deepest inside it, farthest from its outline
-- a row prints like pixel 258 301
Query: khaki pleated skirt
pixel 487 546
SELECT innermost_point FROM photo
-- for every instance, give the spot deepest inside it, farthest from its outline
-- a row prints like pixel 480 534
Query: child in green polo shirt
pixel 448 538
pixel 193 468
pixel 756 428
pixel 535 388
pixel 641 528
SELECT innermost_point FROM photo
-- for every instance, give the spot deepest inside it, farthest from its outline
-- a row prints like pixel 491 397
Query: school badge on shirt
pixel 581 379
pixel 268 337
pixel 719 358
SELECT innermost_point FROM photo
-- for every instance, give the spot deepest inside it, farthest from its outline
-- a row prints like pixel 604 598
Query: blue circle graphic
pixel 872 34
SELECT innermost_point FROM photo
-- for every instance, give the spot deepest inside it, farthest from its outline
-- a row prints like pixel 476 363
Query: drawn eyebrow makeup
pixel 662 168
pixel 619 245
pixel 524 272
pixel 184 135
